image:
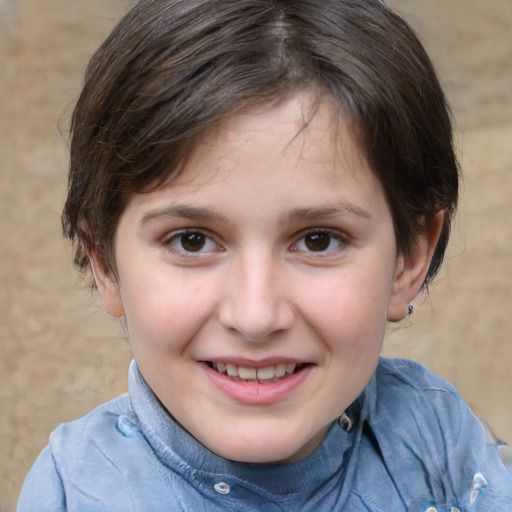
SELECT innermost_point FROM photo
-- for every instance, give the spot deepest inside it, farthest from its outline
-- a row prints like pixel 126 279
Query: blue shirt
pixel 411 444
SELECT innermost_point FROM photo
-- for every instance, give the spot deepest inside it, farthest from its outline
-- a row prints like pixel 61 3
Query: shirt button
pixel 125 426
pixel 222 488
pixel 479 483
pixel 431 509
pixel 345 422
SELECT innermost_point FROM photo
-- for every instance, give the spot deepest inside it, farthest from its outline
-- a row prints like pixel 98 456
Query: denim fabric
pixel 414 446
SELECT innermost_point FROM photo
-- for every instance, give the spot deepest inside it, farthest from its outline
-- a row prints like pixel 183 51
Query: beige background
pixel 60 355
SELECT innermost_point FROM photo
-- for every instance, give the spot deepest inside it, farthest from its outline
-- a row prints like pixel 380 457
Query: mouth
pixel 265 375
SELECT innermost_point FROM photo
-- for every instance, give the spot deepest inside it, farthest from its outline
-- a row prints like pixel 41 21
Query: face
pixel 257 286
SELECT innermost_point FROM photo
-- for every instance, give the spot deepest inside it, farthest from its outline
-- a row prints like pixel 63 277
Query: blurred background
pixel 60 355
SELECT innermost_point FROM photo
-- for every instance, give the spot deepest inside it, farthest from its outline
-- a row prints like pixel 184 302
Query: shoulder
pixel 93 453
pixel 74 443
pixel 101 461
pixel 417 392
pixel 428 438
pixel 406 376
pixel 89 461
pixel 420 407
pixel 65 462
pixel 74 435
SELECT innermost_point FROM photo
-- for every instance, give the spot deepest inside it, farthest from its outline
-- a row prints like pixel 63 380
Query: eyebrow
pixel 297 214
pixel 341 209
pixel 183 212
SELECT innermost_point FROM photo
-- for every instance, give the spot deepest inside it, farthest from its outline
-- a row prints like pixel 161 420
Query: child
pixel 258 187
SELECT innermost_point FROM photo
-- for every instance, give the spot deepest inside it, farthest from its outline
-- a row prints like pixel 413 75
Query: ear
pixel 107 284
pixel 411 270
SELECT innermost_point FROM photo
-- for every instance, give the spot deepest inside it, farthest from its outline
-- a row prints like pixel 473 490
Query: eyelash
pixel 202 239
pixel 331 235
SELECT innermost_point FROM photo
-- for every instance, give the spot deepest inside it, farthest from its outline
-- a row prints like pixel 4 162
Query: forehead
pixel 293 159
pixel 301 127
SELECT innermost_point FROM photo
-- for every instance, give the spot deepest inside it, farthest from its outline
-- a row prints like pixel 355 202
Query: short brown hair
pixel 173 69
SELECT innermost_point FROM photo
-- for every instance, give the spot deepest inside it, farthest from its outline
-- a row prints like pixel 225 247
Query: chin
pixel 267 456
pixel 261 451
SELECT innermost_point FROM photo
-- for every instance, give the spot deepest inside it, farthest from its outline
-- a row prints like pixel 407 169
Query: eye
pixel 319 240
pixel 191 242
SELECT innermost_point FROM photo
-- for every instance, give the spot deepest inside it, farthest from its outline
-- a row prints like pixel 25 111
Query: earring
pixel 410 309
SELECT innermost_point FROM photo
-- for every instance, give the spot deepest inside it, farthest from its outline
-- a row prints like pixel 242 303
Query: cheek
pixel 348 311
pixel 161 315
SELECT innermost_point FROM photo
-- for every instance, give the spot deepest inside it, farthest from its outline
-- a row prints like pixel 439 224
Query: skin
pixel 289 255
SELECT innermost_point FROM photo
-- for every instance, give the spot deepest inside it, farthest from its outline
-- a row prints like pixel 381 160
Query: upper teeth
pixel 247 373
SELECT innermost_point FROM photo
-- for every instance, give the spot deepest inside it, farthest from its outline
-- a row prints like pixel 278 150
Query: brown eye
pixel 192 242
pixel 191 247
pixel 317 241
pixel 320 241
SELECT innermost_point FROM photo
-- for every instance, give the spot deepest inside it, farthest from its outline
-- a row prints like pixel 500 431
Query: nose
pixel 255 303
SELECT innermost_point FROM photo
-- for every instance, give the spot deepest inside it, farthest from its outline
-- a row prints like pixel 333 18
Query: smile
pixel 267 374
pixel 257 383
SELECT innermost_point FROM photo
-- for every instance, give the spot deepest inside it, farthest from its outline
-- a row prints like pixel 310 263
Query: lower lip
pixel 252 393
